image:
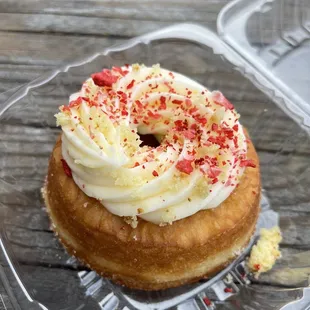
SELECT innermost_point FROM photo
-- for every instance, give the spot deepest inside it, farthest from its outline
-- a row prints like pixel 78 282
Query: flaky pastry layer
pixel 152 257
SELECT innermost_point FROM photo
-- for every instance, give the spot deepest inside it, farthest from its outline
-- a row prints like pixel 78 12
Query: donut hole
pixel 149 140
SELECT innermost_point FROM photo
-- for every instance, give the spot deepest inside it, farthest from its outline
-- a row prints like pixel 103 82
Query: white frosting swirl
pixel 198 164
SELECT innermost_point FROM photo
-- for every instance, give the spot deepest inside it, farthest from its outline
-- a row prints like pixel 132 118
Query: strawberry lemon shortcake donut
pixel 153 182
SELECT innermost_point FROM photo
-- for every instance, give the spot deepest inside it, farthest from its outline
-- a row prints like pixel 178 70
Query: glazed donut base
pixel 151 257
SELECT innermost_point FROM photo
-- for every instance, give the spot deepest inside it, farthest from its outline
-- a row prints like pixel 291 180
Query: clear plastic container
pixel 37 273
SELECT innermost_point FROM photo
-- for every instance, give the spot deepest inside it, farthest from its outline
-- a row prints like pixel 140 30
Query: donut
pixel 153 182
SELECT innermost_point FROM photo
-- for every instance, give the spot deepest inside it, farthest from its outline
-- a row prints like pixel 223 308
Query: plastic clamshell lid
pixel 277 52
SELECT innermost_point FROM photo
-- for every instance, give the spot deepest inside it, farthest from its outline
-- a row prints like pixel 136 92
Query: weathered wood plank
pixel 104 18
pixel 47 49
pixel 145 9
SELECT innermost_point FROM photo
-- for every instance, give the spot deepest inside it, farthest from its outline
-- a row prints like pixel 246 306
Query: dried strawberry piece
pixel 247 163
pixel 122 96
pixel 215 180
pixel 214 127
pixel 219 99
pixel 199 161
pixel 207 301
pixel 104 78
pixel 185 165
pixel 228 290
pixel 189 134
pixel 229 133
pixel 155 173
pixel 235 127
pixel 177 101
pixel 153 115
pixel 65 109
pixel 188 102
pixel 139 104
pixel 214 172
pixel 201 120
pixel 75 103
pixel 120 70
pixel 192 110
pixel 66 168
pixel 257 267
pixel 130 85
pixel 163 105
pixel 180 125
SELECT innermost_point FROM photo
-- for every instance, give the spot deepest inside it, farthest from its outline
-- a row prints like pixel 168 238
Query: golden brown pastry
pixel 103 205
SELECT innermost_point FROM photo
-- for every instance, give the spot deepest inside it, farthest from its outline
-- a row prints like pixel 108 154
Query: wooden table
pixel 36 36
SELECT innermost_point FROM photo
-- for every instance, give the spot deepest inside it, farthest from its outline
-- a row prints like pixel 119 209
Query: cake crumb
pixel 265 253
pixel 131 220
pixel 85 204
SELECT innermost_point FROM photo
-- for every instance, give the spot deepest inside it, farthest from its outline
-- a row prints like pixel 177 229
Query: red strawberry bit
pixel 247 163
pixel 228 183
pixel 214 181
pixel 185 166
pixel 214 172
pixel 122 96
pixel 180 125
pixel 228 290
pixel 136 164
pixel 104 78
pixel 66 168
pixel 177 101
pixel 235 127
pixel 207 301
pixel 93 103
pixel 153 115
pixel 139 104
pixel 192 110
pixel 219 99
pixel 189 134
pixel 257 267
pixel 75 103
pixel 217 140
pixel 214 127
pixel 199 161
pixel 130 85
pixel 65 109
pixel 235 139
pixel 163 105
pixel 120 70
pixel 229 133
pixel 194 127
pixel 188 102
pixel 200 120
pixel 124 113
pixel 155 173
